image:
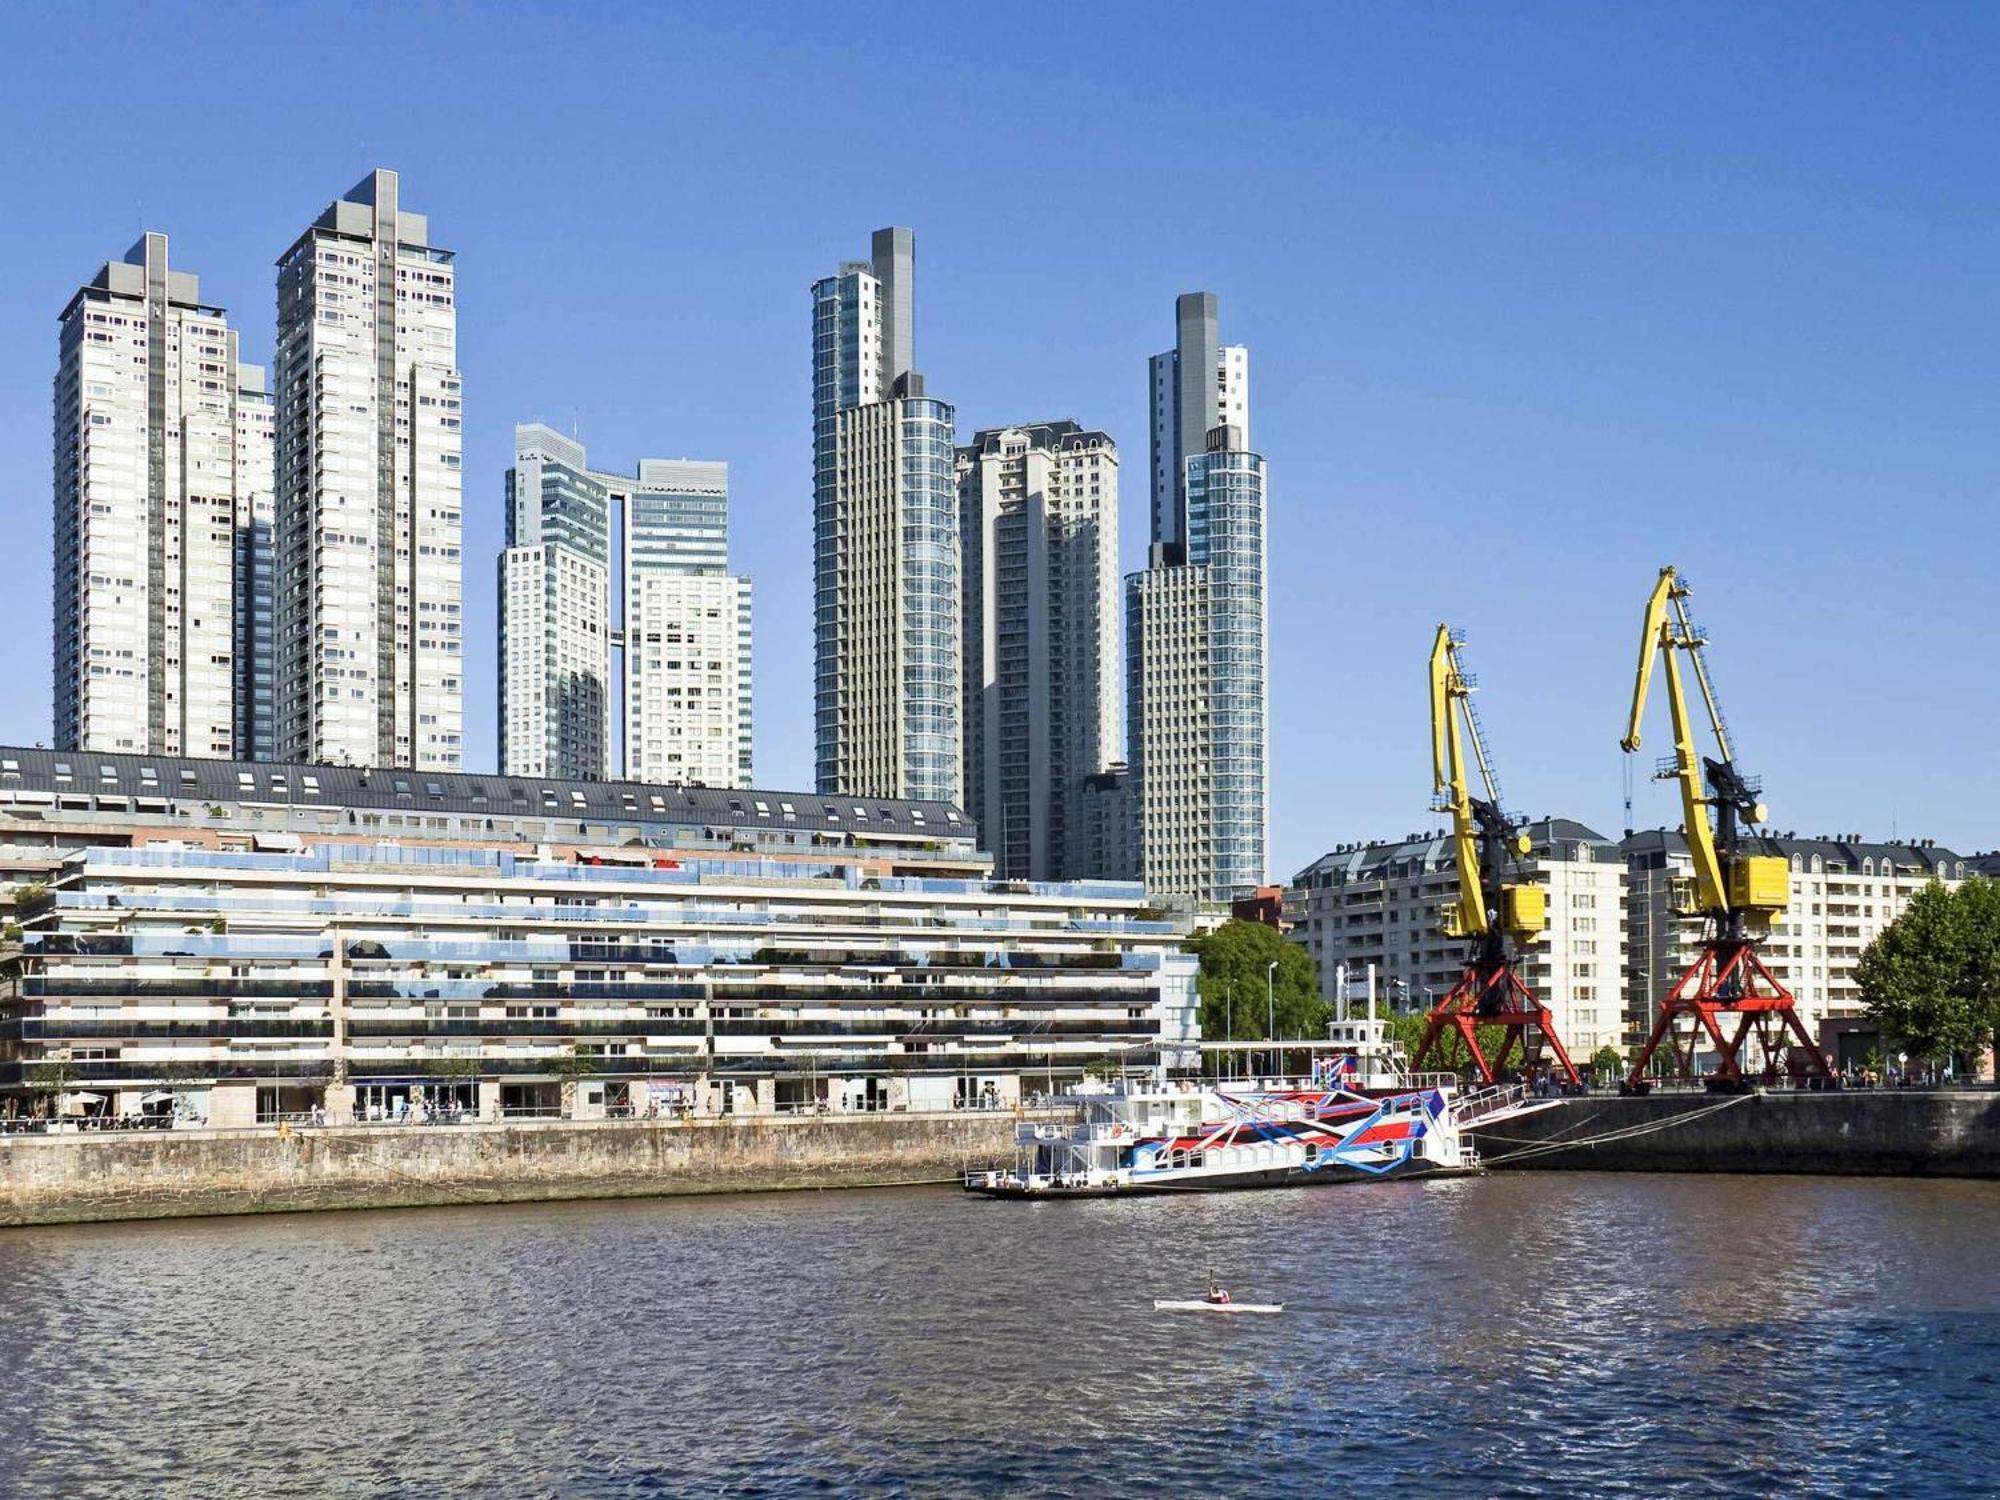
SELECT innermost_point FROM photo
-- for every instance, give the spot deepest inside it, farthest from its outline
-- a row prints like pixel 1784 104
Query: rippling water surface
pixel 1523 1334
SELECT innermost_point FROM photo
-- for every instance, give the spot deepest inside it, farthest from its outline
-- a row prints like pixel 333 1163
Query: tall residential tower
pixel 162 512
pixel 1038 512
pixel 368 613
pixel 886 630
pixel 1197 628
pixel 598 565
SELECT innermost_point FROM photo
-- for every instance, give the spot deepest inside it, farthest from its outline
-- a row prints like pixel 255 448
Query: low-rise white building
pixel 1844 891
pixel 1381 904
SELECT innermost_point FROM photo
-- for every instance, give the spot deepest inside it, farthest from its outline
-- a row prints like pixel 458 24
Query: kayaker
pixel 1216 1293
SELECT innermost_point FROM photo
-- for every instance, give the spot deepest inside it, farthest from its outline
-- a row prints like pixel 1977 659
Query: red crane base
pixel 1493 995
pixel 1729 979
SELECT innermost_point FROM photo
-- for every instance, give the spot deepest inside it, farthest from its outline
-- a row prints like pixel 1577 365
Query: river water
pixel 1531 1333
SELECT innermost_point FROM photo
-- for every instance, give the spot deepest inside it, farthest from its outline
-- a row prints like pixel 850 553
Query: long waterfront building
pixel 1038 513
pixel 240 942
pixel 886 570
pixel 600 566
pixel 162 520
pixel 368 614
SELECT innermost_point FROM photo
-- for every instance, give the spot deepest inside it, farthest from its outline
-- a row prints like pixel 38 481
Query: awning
pixel 618 857
pixel 158 1096
pixel 277 843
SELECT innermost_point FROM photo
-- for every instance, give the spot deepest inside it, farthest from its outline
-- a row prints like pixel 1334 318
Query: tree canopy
pixel 1932 978
pixel 1233 971
pixel 1450 1055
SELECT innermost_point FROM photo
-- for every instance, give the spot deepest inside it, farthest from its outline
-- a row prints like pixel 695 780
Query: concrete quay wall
pixel 51 1179
pixel 1911 1133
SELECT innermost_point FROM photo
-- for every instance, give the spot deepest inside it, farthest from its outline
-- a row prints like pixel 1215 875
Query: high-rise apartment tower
pixel 1197 629
pixel 886 630
pixel 1184 411
pixel 600 565
pixel 368 612
pixel 1038 513
pixel 162 520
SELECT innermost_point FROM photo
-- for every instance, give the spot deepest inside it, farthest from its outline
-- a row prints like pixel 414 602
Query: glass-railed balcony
pixel 359 906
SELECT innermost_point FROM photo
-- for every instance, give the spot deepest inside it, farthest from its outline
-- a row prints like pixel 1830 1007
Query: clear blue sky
pixel 1538 298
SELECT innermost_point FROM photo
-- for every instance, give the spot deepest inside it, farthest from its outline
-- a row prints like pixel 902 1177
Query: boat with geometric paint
pixel 1176 1137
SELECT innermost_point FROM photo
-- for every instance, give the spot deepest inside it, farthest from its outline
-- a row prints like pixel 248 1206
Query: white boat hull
pixel 1161 1304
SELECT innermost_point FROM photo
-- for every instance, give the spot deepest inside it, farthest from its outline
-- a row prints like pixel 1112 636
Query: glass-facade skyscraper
pixel 1198 629
pixel 599 563
pixel 886 566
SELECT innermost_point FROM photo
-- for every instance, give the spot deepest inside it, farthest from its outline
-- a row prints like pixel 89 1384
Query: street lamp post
pixel 1229 1025
pixel 1271 1010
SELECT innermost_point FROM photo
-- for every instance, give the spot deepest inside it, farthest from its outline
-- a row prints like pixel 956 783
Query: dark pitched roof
pixel 1921 854
pixel 1369 861
pixel 398 789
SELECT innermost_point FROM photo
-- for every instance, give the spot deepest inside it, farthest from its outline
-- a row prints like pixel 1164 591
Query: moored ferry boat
pixel 1337 1125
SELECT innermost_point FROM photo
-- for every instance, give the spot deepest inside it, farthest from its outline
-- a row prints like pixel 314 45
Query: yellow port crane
pixel 1736 891
pixel 1498 909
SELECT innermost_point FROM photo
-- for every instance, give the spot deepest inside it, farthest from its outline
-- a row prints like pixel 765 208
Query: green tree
pixel 1451 1055
pixel 1608 1062
pixel 1930 978
pixel 571 1067
pixel 49 1079
pixel 1234 959
pixel 1979 909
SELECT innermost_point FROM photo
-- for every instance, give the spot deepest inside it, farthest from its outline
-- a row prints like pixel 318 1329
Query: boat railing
pixel 1418 1081
pixel 1481 1103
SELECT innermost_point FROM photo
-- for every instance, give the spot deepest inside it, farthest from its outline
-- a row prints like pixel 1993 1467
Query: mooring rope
pixel 1623 1133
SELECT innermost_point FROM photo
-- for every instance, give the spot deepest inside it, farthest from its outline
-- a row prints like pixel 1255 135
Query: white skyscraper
pixel 369 577
pixel 687 629
pixel 886 626
pixel 600 564
pixel 162 466
pixel 1038 513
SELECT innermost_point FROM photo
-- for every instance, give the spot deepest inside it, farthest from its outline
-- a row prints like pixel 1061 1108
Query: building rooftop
pixel 143 780
pixel 1846 848
pixel 1348 863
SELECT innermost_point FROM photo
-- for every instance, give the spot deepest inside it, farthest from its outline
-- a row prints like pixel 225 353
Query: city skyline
pixel 1502 425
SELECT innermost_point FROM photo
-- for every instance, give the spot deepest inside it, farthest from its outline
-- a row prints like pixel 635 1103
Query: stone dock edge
pixel 1898 1133
pixel 68 1179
